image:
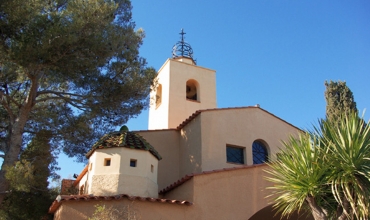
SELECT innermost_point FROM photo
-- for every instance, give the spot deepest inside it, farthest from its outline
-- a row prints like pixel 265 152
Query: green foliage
pixel 70 71
pixel 339 100
pixel 326 171
pixel 21 176
pixel 71 67
pixel 30 197
pixel 21 205
pixel 126 212
pixel 35 166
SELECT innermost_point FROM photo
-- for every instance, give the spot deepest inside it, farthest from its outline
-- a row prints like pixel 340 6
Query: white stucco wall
pixel 84 182
pixel 239 127
pixel 190 148
pixel 120 177
pixel 166 142
pixel 158 115
pixel 201 144
pixel 175 108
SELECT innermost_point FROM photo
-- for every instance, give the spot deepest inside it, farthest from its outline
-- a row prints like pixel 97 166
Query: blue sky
pixel 274 53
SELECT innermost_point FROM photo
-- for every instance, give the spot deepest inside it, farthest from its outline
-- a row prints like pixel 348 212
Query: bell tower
pixel 182 88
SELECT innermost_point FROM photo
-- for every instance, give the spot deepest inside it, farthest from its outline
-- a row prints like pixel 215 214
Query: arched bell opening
pixel 192 90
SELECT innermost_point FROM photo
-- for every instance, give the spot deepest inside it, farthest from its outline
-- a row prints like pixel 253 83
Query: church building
pixel 195 161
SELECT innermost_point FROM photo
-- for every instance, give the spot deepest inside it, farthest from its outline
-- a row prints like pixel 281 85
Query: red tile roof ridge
pixel 162 129
pixel 196 113
pixel 64 198
pixel 189 176
pixel 79 177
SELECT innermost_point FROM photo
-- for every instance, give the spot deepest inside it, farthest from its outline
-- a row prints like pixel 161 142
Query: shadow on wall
pixel 191 147
pixel 269 213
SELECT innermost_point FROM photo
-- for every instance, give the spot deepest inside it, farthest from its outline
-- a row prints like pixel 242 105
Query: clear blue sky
pixel 274 53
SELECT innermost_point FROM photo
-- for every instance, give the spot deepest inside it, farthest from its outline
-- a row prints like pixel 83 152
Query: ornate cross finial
pixel 182 49
pixel 182 35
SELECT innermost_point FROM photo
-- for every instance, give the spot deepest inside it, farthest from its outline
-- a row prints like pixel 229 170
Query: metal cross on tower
pixel 182 49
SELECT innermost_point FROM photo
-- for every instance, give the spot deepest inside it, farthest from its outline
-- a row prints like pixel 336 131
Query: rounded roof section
pixel 123 139
pixel 182 49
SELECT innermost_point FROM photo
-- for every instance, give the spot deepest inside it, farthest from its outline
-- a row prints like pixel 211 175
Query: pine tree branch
pixel 77 103
pixel 57 93
pixel 74 102
pixel 3 99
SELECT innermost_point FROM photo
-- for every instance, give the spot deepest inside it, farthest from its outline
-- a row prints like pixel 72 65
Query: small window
pixel 91 164
pixel 107 162
pixel 235 154
pixel 260 154
pixel 152 168
pixel 133 163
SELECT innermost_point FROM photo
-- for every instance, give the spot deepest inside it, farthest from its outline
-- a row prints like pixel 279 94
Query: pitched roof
pixel 79 177
pixel 198 112
pixel 84 198
pixel 123 139
pixel 188 177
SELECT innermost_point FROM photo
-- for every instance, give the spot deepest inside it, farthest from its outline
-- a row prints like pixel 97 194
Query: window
pixel 133 163
pixel 158 96
pixel 235 154
pixel 260 154
pixel 91 164
pixel 152 168
pixel 107 162
pixel 81 190
pixel 191 90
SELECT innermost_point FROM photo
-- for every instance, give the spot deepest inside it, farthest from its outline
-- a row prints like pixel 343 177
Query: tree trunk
pixel 16 136
pixel 11 156
pixel 317 212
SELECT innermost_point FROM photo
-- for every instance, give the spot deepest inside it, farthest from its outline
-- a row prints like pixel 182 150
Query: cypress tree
pixel 339 100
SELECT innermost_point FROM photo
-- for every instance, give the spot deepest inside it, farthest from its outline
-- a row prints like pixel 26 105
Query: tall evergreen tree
pixel 30 197
pixel 71 67
pixel 339 100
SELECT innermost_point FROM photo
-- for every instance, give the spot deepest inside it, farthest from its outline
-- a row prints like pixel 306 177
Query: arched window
pixel 192 90
pixel 158 95
pixel 260 154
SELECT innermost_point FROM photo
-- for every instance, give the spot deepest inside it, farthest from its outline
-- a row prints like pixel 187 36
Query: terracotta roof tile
pixel 64 198
pixel 124 139
pixel 187 177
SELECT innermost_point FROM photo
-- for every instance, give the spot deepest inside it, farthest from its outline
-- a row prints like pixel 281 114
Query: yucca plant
pixel 325 172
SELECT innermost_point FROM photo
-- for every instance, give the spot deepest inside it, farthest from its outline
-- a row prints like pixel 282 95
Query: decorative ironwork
pixel 260 154
pixel 235 155
pixel 182 49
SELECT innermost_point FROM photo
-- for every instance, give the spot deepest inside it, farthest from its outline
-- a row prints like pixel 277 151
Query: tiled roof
pixel 195 114
pixel 63 198
pixel 82 174
pixel 124 139
pixel 187 177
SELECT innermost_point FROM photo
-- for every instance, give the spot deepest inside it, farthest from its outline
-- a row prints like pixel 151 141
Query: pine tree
pixel 71 67
pixel 30 197
pixel 339 100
